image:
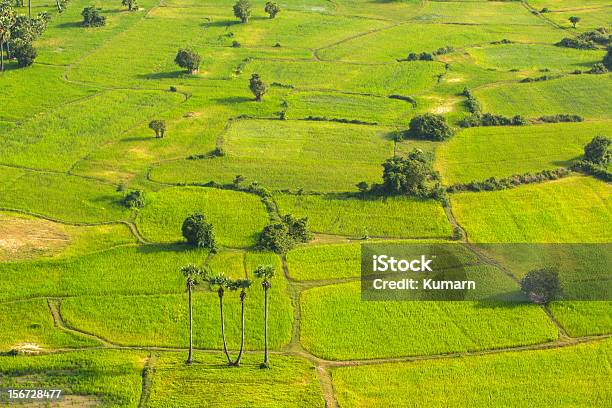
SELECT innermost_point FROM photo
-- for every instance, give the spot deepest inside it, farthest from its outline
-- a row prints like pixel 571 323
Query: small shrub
pixel 92 17
pixel 598 68
pixel 25 54
pixel 134 199
pixel 577 43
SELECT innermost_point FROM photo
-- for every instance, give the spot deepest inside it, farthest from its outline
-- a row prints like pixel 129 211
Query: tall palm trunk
pixel 2 53
pixel 242 297
pixel 30 8
pixel 190 357
pixel 220 292
pixel 266 286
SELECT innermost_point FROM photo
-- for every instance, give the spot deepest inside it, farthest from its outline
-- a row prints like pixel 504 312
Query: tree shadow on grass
pixel 71 24
pixel 233 99
pixel 220 23
pixel 162 75
pixel 566 163
pixel 178 247
pixel 138 139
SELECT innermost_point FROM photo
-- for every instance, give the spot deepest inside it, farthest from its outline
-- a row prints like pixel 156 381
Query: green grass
pixel 381 80
pixel 152 269
pixel 400 217
pixel 480 153
pixel 108 378
pixel 237 217
pixel 535 57
pixel 336 324
pixel 576 376
pixel 28 92
pixel 67 134
pixel 352 107
pixel 317 156
pixel 66 41
pixel 290 383
pixel 590 19
pixel 31 323
pixel 162 320
pixel 66 198
pixel 572 94
pixel 584 318
pixel 192 128
pixel 573 209
pixel 325 262
pixel 507 13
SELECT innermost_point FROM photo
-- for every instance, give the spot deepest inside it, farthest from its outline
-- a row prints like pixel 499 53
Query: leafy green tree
pixel 297 227
pixel 243 10
pixel 265 273
pixel 199 232
pixel 574 20
pixel 159 127
pixel 272 9
pixel 189 59
pixel 243 285
pixel 598 151
pixel 275 237
pixel 92 17
pixel 25 54
pixel 7 20
pixel 130 4
pixel 192 276
pixel 430 127
pixel 221 283
pixel 542 285
pixel 410 176
pixel 257 86
pixel 282 236
pixel 134 199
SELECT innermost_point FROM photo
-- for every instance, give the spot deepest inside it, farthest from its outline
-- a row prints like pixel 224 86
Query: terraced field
pixel 92 298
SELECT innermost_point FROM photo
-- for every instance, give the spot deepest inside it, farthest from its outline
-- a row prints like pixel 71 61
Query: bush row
pixel 563 117
pixel 493 183
pixel 325 119
pixel 587 167
pixel 489 119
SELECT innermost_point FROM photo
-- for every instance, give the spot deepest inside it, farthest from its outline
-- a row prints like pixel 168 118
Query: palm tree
pixel 266 273
pixel 221 282
pixel 192 275
pixel 243 285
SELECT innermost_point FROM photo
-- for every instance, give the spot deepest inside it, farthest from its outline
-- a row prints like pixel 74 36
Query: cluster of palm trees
pixel 195 275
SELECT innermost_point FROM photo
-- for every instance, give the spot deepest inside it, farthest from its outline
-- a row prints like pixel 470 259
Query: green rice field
pixel 293 173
